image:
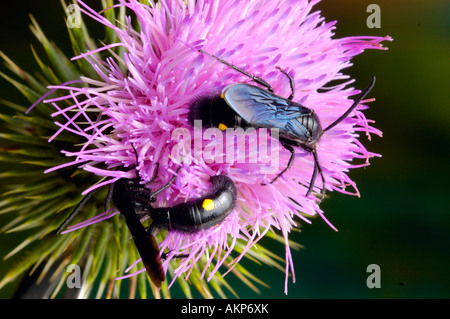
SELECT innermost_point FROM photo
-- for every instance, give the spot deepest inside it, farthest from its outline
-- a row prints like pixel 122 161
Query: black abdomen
pixel 200 213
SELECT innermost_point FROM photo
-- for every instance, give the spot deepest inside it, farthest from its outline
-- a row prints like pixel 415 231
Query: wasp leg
pixel 164 255
pixel 289 164
pixel 155 173
pixel 317 170
pixel 291 83
pixel 313 178
pixel 165 186
pixel 258 80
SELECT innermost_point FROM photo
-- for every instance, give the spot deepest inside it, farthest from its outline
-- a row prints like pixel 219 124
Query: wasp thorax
pixel 312 124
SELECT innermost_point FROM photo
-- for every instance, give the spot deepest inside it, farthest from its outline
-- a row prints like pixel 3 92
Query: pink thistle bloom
pixel 145 95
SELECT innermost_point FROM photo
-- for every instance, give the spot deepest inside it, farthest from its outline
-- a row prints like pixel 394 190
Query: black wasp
pixel 134 201
pixel 244 105
pixel 197 214
pixel 124 193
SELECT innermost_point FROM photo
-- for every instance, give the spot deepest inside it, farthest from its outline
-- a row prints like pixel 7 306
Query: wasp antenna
pixel 109 196
pixel 257 79
pixel 135 154
pixel 76 210
pixel 155 173
pixel 354 105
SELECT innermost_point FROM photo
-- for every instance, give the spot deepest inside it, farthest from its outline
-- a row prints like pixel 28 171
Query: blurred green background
pixel 400 223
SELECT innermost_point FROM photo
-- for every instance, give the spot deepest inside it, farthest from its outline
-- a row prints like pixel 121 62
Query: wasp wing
pixel 262 108
pixel 145 243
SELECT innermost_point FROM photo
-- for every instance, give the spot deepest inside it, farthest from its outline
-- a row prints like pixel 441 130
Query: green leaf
pixel 81 43
pixel 142 285
pixel 18 207
pixel 185 288
pixel 45 163
pixel 13 106
pixel 46 244
pixel 33 140
pixel 26 91
pixel 64 68
pixel 47 71
pixel 100 246
pixel 37 213
pixel 21 173
pixel 39 186
pixel 36 152
pixel 31 81
pixel 39 121
pixel 11 158
pixel 83 244
pixel 107 271
pixel 62 190
pixel 10 201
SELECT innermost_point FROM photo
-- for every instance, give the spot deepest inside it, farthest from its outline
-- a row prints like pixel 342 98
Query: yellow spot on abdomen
pixel 208 204
pixel 222 127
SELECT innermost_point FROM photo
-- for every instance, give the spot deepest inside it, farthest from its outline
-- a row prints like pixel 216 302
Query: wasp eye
pixel 208 204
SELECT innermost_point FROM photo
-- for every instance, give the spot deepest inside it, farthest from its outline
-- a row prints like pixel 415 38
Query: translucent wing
pixel 261 108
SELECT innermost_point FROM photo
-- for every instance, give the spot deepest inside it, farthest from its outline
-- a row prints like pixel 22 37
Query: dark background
pixel 400 223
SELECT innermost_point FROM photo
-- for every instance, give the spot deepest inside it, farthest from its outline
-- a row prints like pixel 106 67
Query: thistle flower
pixel 120 120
